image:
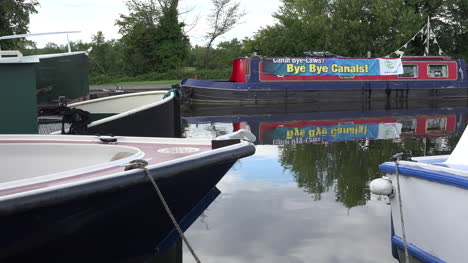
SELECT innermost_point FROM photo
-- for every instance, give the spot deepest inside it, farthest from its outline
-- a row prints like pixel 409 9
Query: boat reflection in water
pixel 322 127
pixel 313 184
pixel 342 150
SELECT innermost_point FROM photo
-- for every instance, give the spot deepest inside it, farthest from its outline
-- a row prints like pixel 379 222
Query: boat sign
pixel 332 66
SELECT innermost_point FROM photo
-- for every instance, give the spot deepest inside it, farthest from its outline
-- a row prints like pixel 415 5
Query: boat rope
pixel 141 164
pixel 177 93
pixel 117 87
pixel 405 243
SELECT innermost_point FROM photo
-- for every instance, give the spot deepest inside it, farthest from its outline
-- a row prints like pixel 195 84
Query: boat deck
pixel 154 153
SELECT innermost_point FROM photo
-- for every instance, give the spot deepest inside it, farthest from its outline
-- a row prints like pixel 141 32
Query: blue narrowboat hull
pixel 250 84
pixel 211 92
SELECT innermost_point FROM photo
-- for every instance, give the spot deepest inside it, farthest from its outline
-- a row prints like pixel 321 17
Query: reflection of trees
pixel 345 167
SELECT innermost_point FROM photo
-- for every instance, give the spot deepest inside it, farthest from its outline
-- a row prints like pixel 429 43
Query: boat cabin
pixel 415 68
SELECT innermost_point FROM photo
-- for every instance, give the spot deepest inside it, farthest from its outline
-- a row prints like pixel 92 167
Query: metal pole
pixel 428 37
pixel 405 243
pixel 68 42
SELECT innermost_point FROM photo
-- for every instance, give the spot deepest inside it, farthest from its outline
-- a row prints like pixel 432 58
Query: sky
pixel 90 16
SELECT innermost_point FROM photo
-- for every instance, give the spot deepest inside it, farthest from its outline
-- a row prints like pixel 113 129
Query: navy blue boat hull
pixel 111 220
pixel 331 92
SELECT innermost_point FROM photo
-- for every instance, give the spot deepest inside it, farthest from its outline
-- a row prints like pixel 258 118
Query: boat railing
pixel 10 53
pixel 41 34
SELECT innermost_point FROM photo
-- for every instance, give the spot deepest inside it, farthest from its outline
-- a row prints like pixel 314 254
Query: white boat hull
pixel 435 217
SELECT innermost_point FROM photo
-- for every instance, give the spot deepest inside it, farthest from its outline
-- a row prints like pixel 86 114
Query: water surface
pixel 310 202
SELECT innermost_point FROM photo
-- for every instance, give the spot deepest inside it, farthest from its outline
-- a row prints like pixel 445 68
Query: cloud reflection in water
pixel 262 216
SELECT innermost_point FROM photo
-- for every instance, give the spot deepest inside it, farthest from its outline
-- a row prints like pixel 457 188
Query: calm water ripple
pixel 310 202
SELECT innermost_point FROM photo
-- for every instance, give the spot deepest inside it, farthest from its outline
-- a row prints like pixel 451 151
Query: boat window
pixel 247 68
pixel 436 124
pixel 408 125
pixel 437 71
pixel 409 71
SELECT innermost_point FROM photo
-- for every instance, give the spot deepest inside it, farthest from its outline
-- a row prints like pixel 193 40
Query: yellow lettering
pixel 324 131
pixel 361 129
pixel 319 131
pixel 302 132
pixel 335 68
pixel 311 133
pixel 318 69
pixel 312 68
pixel 289 68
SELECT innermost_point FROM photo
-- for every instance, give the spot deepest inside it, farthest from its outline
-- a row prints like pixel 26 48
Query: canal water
pixel 304 195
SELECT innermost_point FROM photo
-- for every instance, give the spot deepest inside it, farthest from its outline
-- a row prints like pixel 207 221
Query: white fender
pixel 381 186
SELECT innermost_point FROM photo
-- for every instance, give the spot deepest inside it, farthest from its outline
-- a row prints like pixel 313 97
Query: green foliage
pixel 224 16
pixel 451 27
pixel 346 167
pixel 14 19
pixel 107 57
pixel 173 45
pixel 351 28
pixel 154 47
pixel 152 37
pixel 217 74
pixel 222 55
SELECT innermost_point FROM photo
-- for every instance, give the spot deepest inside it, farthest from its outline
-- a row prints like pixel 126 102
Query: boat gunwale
pixel 133 111
pixel 443 175
pixel 416 251
pixel 125 113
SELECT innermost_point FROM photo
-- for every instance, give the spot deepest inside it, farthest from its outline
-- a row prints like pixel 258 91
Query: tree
pixel 14 19
pixel 351 28
pixel 450 24
pixel 173 44
pixel 302 25
pixel 222 55
pixel 346 167
pixel 225 15
pixel 152 36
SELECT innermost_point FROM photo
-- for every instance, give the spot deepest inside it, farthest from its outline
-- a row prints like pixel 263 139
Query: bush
pixel 211 74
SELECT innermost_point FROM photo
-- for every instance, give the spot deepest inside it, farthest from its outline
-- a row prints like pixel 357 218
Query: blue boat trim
pixel 415 251
pixel 392 233
pixel 439 177
pixel 188 220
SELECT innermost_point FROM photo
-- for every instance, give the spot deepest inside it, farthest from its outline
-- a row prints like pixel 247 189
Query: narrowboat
pixel 52 75
pixel 332 80
pixel 95 199
pixel 428 197
pixel 141 114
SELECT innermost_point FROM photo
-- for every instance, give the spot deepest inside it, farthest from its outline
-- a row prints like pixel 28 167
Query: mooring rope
pixel 405 243
pixel 141 164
